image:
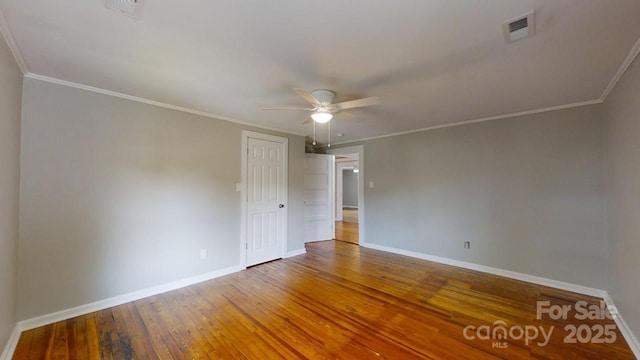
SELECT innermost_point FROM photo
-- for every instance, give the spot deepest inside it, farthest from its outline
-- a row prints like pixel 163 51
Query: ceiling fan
pixel 323 107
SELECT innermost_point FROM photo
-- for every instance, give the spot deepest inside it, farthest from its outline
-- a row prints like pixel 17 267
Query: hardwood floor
pixel 347 231
pixel 336 301
pixel 350 215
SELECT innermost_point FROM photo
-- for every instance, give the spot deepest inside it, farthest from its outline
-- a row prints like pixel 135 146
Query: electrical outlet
pixel 467 244
pixel 203 254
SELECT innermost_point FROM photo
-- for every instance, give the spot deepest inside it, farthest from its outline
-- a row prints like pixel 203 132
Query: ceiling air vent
pixel 519 28
pixel 127 7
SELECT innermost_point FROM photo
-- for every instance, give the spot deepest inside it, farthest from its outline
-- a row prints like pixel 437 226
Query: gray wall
pixel 622 135
pixel 349 188
pixel 119 196
pixel 526 191
pixel 10 97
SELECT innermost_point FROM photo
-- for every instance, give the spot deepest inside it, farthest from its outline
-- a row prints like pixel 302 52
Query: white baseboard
pixel 495 271
pixel 628 335
pixel 10 347
pixel 121 299
pixel 295 253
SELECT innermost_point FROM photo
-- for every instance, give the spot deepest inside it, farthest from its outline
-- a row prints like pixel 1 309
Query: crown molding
pixel 152 102
pixel 490 118
pixel 15 50
pixel 633 53
pixel 635 50
pixel 6 33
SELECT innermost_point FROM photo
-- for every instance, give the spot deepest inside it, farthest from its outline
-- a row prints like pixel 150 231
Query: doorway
pixel 347 202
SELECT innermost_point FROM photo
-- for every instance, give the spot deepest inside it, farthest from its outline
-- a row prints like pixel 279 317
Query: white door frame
pixel 244 191
pixel 358 149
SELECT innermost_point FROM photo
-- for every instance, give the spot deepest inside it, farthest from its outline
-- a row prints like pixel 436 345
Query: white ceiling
pixel 430 62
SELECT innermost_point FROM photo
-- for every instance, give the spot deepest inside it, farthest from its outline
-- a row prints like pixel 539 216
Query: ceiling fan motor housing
pixel 325 97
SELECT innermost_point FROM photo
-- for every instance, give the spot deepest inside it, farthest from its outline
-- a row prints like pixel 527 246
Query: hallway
pixel 347 229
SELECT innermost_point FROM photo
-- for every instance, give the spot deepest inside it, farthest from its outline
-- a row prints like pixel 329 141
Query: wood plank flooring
pixel 347 231
pixel 350 215
pixel 338 301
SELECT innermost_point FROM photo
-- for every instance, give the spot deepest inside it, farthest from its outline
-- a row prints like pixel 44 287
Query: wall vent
pixel 128 7
pixel 519 28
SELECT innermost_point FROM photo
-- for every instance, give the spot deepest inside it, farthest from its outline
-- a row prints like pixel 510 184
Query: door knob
pixel 281 206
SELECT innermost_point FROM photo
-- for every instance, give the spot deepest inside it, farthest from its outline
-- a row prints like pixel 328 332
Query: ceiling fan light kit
pixel 322 117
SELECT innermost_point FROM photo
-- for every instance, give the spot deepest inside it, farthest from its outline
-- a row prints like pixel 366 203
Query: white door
pixel 266 179
pixel 318 197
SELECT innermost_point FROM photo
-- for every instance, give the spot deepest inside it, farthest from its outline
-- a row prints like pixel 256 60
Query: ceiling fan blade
pixel 344 115
pixel 287 108
pixel 308 121
pixel 307 96
pixel 357 103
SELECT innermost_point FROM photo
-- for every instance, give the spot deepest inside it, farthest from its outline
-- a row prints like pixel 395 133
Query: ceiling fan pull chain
pixel 314 133
pixel 329 126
